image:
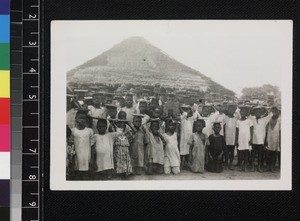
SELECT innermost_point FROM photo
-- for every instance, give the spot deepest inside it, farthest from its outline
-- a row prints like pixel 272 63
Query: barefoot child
pixel 215 149
pixel 273 138
pixel 259 132
pixel 138 145
pixel 229 133
pixel 197 143
pixel 104 151
pixel 122 159
pixel 244 136
pixel 82 137
pixel 172 157
pixel 187 120
pixel 154 155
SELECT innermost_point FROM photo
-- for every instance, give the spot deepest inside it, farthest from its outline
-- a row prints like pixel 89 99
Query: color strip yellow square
pixel 4 84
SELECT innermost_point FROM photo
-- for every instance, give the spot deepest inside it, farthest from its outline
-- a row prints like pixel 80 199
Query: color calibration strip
pixel 4 110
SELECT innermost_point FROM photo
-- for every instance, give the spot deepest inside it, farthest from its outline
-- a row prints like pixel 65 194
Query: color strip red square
pixel 4 111
pixel 4 138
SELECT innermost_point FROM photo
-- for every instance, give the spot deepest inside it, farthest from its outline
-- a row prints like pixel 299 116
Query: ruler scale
pixel 31 111
pixel 16 109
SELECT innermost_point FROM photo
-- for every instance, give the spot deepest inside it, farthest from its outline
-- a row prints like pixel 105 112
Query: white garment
pixel 259 128
pixel 273 136
pixel 244 133
pixel 230 130
pixel 82 143
pixel 220 118
pixel 104 150
pixel 71 114
pixel 97 112
pixel 186 132
pixel 172 157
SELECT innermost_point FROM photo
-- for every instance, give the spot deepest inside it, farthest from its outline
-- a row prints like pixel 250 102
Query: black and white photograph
pixel 171 105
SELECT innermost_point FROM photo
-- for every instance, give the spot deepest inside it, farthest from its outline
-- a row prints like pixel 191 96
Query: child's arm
pixel 237 137
pixel 266 136
pixel 224 131
pixel 162 138
pixel 251 135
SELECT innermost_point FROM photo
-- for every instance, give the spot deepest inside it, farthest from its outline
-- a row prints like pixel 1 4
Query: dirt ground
pixel 225 175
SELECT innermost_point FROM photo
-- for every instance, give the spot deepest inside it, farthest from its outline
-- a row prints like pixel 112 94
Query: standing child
pixel 229 133
pixel 122 160
pixel 154 155
pixel 104 151
pixel 244 136
pixel 215 149
pixel 172 157
pixel 82 137
pixel 197 143
pixel 97 110
pixel 273 138
pixel 259 132
pixel 187 120
pixel 138 145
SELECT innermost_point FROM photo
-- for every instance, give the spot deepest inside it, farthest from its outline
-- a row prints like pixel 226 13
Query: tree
pixel 262 92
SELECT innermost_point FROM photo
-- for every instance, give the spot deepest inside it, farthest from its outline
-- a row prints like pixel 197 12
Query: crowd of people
pixel 112 136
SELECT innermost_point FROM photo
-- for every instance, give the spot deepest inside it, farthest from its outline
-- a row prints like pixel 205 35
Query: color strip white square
pixel 4 165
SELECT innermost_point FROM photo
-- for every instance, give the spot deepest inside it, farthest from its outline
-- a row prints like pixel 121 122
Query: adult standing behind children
pixel 273 138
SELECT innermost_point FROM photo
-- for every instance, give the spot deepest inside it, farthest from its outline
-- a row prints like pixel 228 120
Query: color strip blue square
pixel 4 28
pixel 4 7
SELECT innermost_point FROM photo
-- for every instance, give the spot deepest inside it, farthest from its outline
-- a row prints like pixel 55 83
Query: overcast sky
pixel 236 54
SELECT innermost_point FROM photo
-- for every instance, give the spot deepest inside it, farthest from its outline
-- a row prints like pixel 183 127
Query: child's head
pixel 172 126
pixel 231 109
pixel 154 127
pixel 111 111
pixel 128 100
pixel 257 112
pixel 217 127
pixel 81 120
pixel 206 111
pixel 199 125
pixel 122 117
pixel 275 111
pixel 102 126
pixel 244 111
pixel 97 99
pixel 142 106
pixel 157 112
pixel 137 122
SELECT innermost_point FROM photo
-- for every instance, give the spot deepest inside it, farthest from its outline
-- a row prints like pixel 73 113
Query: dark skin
pixel 101 127
pixel 137 122
pixel 128 101
pixel 198 128
pixel 81 123
pixel 97 100
pixel 217 129
pixel 154 129
pixel 143 107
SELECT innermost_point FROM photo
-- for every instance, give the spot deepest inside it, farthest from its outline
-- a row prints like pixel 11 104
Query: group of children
pixel 106 141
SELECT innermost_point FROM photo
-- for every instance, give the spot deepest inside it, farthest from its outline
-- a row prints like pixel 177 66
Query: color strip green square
pixel 4 56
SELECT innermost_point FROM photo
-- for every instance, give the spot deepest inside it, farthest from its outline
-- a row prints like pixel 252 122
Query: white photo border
pixel 58 121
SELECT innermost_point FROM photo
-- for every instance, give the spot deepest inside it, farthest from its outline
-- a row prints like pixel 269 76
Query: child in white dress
pixel 244 136
pixel 172 156
pixel 82 138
